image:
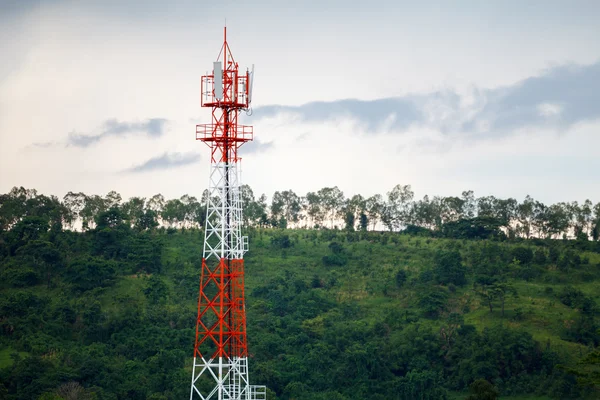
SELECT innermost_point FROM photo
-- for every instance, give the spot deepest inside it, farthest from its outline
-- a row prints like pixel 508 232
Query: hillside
pixel 110 313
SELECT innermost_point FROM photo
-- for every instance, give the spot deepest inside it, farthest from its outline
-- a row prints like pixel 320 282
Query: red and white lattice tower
pixel 220 369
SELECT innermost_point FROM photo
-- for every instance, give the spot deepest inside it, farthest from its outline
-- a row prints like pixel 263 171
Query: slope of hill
pixel 110 314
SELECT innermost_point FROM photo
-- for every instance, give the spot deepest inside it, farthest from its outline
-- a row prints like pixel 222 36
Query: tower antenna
pixel 220 369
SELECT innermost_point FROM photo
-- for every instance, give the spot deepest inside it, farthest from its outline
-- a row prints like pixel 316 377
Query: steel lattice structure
pixel 220 369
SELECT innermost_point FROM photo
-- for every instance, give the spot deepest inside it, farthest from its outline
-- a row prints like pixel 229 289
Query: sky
pixel 498 97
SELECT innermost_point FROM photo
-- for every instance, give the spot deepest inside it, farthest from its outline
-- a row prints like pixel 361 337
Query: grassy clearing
pixel 5 356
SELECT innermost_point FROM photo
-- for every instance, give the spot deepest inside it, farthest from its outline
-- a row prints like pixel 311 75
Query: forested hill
pixel 463 306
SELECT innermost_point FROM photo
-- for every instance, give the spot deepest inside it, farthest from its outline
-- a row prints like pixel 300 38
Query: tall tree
pixel 75 202
pixel 353 208
pixel 596 223
pixel 189 210
pixel 93 206
pixel 397 212
pixel 291 206
pixel 313 206
pixel 452 209
pixel 156 203
pixel 425 213
pixel 148 220
pixel 558 219
pixel 469 209
pixel 332 199
pixel 112 199
pixel 133 209
pixel 250 209
pixel 374 209
pixel 43 256
pixel 525 216
pixel 173 213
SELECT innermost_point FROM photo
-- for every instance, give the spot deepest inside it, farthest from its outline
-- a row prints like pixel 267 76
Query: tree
pixel 582 218
pixel 539 221
pixel 486 206
pixel 93 206
pixel 190 210
pixel 400 278
pixel 596 223
pixel 262 210
pixel 558 219
pixel 147 220
pixel 426 213
pixel 374 208
pixel 43 257
pixel 484 288
pixel 353 209
pixel 15 205
pixel 90 272
pixel 587 370
pixel 156 203
pixel 133 209
pixel 448 268
pixel 173 212
pixel 26 230
pixel 277 205
pixel 473 228
pixel 524 255
pixel 286 204
pixel 252 210
pixel 490 289
pixel 481 389
pixel 313 206
pixel 349 220
pixel 501 290
pixel 469 209
pixel 156 290
pixel 337 257
pixel 75 202
pixel 112 199
pixel 196 213
pixel 524 214
pixel 451 209
pixel 12 207
pixel 110 218
pixel 398 206
pixel 73 391
pixel 433 300
pixel 332 199
pixel 363 222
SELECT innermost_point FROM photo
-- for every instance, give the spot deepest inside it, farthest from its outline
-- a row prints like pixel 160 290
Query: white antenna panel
pixel 218 74
pixel 251 85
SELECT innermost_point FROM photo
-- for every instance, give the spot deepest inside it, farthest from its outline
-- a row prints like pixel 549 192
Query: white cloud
pixel 549 109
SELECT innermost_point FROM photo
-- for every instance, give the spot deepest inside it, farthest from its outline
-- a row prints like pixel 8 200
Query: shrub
pixel 281 241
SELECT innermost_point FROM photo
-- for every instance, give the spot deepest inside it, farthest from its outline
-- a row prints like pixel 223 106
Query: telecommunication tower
pixel 220 369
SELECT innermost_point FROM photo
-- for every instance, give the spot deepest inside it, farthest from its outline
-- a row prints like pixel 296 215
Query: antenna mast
pixel 220 369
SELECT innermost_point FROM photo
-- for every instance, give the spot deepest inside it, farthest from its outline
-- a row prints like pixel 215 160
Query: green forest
pixel 381 297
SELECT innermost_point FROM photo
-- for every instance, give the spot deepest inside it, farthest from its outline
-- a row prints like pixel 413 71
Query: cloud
pixel 16 7
pixel 256 146
pixel 165 161
pixel 549 109
pixel 42 145
pixel 369 112
pixel 153 127
pixel 569 93
pixel 559 97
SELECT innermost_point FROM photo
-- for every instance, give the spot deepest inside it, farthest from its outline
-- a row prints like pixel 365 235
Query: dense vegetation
pixel 462 306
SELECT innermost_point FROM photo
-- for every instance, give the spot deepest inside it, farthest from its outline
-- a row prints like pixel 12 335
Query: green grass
pixel 5 358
